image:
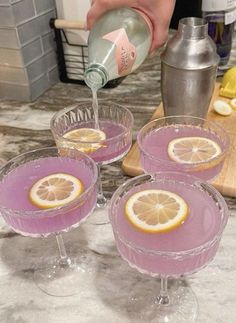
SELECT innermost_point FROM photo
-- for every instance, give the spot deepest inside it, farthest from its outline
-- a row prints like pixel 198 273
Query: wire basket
pixel 73 59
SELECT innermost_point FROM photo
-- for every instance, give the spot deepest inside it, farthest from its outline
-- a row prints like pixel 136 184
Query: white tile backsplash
pixel 34 28
pixel 9 38
pixel 44 5
pixel 11 57
pixel 14 74
pixel 23 11
pixel 7 18
pixel 28 64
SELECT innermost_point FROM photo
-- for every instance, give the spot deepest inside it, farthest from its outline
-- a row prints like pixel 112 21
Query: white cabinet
pixel 74 10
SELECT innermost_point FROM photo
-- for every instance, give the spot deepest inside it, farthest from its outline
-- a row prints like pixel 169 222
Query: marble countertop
pixel 103 295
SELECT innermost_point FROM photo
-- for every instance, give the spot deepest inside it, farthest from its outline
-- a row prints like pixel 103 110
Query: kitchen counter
pixel 104 295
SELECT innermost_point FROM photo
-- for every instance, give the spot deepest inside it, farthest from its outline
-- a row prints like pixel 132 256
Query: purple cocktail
pixel 19 209
pixel 181 251
pixel 112 132
pixel 203 148
pixel 26 218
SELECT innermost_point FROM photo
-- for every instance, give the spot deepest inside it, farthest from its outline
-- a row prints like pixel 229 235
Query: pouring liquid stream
pixel 95 107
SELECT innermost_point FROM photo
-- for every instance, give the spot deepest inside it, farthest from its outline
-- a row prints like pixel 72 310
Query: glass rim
pixel 69 108
pixel 185 165
pixel 223 208
pixel 51 212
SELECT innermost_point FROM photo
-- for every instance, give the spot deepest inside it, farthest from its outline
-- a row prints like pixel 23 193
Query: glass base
pixel 62 279
pixel 182 307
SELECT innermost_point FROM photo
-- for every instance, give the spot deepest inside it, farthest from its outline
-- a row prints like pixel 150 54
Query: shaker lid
pixel 191 47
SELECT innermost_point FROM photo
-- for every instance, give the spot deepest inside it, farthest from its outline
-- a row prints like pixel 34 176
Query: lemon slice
pixel 88 138
pixel 222 108
pixel 233 103
pixel 192 150
pixel 55 190
pixel 154 210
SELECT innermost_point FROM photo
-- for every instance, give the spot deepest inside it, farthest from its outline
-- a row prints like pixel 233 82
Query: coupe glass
pixel 114 120
pixel 173 254
pixel 61 276
pixel 153 140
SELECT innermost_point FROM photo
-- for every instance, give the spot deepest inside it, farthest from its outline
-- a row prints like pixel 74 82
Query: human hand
pixel 159 12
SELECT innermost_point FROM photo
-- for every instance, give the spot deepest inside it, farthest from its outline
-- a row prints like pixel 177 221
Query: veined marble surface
pixel 105 293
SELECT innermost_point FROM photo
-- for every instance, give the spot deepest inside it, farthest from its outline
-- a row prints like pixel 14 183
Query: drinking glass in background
pixel 147 202
pixel 108 142
pixel 183 143
pixel 23 211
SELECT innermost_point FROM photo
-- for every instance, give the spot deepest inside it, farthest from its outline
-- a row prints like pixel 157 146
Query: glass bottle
pixel 118 44
pixel 221 16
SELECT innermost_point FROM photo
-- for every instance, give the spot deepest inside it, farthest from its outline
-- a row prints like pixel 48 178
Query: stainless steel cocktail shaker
pixel 188 69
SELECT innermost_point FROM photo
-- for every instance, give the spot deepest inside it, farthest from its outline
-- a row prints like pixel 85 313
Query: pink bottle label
pixel 125 53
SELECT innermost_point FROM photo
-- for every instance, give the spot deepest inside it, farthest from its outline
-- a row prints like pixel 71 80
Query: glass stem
pixel 64 259
pixel 163 297
pixel 101 200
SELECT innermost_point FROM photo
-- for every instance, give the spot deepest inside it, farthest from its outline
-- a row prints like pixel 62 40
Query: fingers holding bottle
pixel 158 11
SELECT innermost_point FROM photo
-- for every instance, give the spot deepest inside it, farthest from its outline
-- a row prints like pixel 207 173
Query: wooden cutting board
pixel 226 180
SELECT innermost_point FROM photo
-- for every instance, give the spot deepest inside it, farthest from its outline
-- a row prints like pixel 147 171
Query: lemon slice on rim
pixel 154 210
pixel 55 190
pixel 192 150
pixel 88 138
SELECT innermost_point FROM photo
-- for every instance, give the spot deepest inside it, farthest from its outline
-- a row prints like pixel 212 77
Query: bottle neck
pixel 96 76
